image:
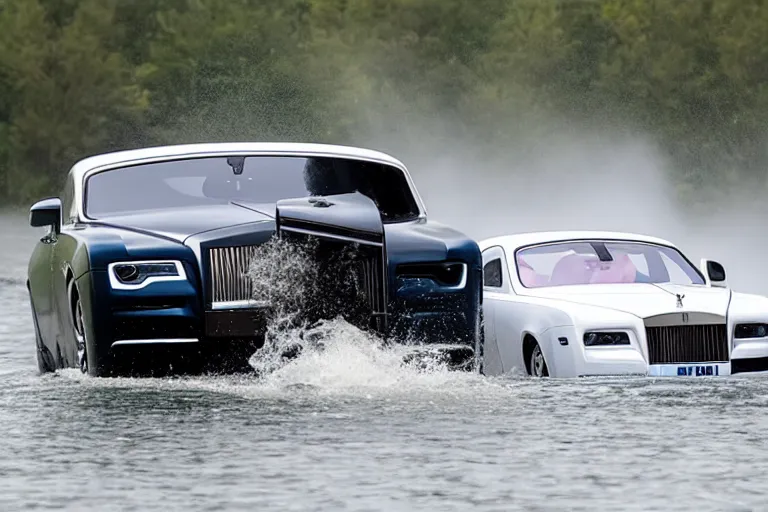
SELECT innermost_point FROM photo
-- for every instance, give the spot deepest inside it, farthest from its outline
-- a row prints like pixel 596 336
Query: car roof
pixel 131 156
pixel 514 241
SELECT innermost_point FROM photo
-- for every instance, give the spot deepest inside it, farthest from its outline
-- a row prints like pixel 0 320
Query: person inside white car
pixel 575 269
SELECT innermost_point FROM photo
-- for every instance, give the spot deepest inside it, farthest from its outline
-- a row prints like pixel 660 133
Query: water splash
pixel 297 350
pixel 283 275
pixel 336 355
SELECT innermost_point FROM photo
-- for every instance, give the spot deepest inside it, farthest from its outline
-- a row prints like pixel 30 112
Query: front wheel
pixel 80 337
pixel 538 365
pixel 87 354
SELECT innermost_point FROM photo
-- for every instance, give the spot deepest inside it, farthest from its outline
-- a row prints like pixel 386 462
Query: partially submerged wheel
pixel 537 364
pixel 78 325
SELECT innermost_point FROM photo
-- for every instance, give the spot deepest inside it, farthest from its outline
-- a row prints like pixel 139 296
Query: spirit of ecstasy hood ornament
pixel 679 300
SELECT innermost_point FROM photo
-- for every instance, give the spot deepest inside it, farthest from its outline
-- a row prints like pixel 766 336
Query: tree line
pixel 79 77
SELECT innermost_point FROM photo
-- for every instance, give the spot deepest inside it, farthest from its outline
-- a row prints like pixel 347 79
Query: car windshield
pixel 255 179
pixel 602 262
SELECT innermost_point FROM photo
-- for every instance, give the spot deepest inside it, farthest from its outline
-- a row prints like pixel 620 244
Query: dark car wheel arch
pixel 96 365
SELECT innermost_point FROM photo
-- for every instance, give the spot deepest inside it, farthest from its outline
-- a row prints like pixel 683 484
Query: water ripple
pixel 350 429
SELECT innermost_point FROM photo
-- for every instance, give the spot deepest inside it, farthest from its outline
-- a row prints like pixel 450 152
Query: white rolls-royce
pixel 570 304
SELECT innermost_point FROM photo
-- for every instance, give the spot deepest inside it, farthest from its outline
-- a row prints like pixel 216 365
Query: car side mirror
pixel 46 213
pixel 715 273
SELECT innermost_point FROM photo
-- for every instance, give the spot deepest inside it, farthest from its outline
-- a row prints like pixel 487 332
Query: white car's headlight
pixel 751 331
pixel 132 275
pixel 603 339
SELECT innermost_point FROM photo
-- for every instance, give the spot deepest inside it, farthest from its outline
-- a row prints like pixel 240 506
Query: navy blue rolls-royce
pixel 145 260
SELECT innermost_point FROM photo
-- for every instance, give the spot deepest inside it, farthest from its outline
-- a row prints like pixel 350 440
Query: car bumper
pixel 575 360
pixel 438 316
pixel 628 361
pixel 750 355
pixel 750 349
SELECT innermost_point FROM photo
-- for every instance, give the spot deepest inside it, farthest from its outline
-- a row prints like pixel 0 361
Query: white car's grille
pixel 687 344
pixel 230 283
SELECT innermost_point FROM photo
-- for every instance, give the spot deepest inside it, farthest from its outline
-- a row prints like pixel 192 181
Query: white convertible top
pixel 514 241
pixel 120 158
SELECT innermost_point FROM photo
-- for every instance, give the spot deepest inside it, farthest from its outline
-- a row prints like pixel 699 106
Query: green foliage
pixel 70 93
pixel 79 77
pixel 225 70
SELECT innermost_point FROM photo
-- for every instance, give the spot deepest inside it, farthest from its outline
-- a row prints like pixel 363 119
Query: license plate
pixel 690 370
pixel 698 370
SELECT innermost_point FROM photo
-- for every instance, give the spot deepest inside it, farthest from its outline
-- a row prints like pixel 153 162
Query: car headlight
pixel 447 274
pixel 131 275
pixel 751 331
pixel 601 339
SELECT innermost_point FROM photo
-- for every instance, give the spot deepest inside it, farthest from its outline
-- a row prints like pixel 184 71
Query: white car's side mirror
pixel 714 273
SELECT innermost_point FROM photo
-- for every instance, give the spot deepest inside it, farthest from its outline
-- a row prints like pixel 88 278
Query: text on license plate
pixel 698 370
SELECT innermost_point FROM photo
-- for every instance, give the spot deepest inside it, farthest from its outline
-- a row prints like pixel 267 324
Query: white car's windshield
pixel 596 262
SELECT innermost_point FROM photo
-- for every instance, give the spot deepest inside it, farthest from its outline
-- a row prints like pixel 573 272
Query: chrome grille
pixel 374 287
pixel 687 344
pixel 230 281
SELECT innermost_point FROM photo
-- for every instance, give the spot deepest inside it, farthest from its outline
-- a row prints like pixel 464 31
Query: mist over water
pixel 583 179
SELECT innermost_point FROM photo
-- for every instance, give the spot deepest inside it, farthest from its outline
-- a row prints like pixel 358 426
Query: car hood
pixel 640 299
pixel 181 223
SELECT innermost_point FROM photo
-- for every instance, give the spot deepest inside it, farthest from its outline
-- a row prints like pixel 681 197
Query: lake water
pixel 351 429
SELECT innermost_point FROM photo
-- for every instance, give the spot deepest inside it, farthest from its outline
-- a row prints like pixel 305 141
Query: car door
pixel 495 288
pixel 39 274
pixel 515 318
pixel 61 261
pixel 61 271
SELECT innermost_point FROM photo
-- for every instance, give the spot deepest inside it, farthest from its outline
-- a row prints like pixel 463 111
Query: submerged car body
pixel 147 253
pixel 570 304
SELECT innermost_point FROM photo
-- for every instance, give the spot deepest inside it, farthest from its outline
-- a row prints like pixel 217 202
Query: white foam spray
pixel 327 353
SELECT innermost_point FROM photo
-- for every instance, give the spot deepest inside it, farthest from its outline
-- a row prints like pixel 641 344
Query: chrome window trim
pixel 80 174
pixel 117 285
pixel 239 304
pixel 123 343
